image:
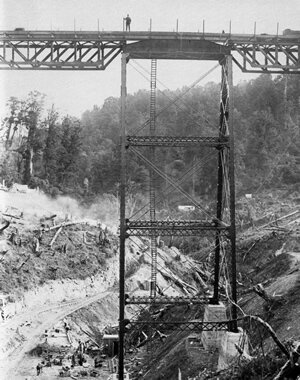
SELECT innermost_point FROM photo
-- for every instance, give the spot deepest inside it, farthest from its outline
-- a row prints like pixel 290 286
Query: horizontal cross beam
pixel 171 227
pixel 189 325
pixel 139 300
pixel 169 141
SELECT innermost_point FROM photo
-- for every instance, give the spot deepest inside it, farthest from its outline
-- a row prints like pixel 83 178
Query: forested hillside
pixel 64 155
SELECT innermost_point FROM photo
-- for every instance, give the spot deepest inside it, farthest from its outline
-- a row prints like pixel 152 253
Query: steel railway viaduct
pixel 94 50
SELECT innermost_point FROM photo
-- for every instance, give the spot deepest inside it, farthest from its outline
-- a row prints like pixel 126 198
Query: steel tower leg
pixel 122 220
pixel 226 165
pixel 232 195
pixel 153 241
pixel 222 131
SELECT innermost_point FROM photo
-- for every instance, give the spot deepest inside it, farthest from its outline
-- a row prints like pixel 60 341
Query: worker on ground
pixel 80 358
pixel 81 346
pixel 39 369
pixel 127 20
pixel 73 360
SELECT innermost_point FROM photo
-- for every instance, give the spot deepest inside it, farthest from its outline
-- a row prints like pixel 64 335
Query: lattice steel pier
pixel 223 145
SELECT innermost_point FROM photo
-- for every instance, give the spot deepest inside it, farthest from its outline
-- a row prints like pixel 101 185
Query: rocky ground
pixel 268 259
pixel 58 263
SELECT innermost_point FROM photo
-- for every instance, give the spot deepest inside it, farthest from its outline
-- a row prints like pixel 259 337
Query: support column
pixel 232 196
pixel 122 219
pixel 222 131
pixel 152 190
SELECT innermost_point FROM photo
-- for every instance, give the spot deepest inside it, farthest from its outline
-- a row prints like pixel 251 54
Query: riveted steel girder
pixel 189 325
pixel 95 50
pixel 171 227
pixel 274 57
pixel 169 141
pixel 165 300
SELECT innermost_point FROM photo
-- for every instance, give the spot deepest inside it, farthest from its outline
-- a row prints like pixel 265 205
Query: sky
pixel 74 92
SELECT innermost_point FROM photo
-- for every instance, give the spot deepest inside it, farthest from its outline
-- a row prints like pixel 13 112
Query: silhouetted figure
pixel 80 359
pixel 73 360
pixel 127 23
pixel 39 369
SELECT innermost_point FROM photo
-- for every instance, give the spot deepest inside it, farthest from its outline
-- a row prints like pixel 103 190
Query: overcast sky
pixel 74 92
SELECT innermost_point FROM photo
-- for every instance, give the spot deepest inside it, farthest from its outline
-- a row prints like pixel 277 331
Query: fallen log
pixel 291 369
pixel 23 263
pixel 182 284
pixel 144 341
pixel 202 283
pixel 272 333
pixel 55 236
pixel 281 218
pixel 7 223
pixel 50 217
pixel 271 300
pixel 89 335
pixel 64 224
pixel 11 216
pixel 249 250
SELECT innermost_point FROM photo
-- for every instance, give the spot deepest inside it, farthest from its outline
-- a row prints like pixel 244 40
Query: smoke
pixel 35 204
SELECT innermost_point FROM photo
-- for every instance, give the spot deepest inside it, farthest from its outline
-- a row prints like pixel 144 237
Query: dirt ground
pixel 50 273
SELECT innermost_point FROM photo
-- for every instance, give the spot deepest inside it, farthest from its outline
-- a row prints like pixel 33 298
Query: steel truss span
pixel 165 300
pixel 190 325
pixel 171 227
pixel 176 141
pixel 94 50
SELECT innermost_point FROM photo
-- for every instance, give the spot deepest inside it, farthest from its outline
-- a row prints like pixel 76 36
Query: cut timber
pixel 7 223
pixel 50 217
pixel 252 246
pixel 271 300
pixel 272 333
pixel 55 236
pixel 291 369
pixel 282 217
pixel 11 216
pixel 90 336
pixel 64 224
pixel 182 284
pixel 23 263
pixel 201 281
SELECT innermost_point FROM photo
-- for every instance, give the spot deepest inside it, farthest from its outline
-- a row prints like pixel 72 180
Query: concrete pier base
pixel 228 352
pixel 211 340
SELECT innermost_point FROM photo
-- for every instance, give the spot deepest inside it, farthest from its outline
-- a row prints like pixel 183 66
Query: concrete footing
pixel 211 340
pixel 228 352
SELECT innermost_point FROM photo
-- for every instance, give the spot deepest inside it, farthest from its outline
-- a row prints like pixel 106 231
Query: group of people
pixel 79 353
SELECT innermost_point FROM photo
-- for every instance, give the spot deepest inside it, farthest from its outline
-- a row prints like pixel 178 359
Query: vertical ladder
pixel 153 241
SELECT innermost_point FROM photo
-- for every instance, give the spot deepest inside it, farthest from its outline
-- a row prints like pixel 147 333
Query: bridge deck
pixel 95 50
pixel 224 38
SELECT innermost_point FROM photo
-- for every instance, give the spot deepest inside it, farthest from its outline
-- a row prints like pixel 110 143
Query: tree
pixel 31 118
pixel 52 148
pixel 69 152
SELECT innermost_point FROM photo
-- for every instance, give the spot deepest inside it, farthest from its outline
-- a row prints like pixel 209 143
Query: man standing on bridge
pixel 127 23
